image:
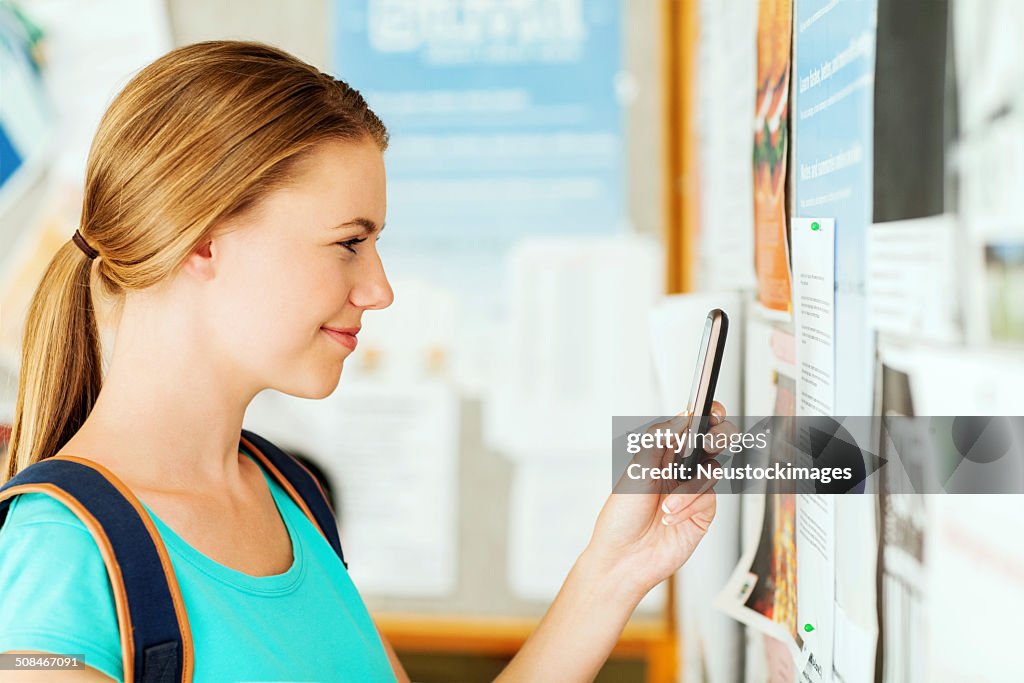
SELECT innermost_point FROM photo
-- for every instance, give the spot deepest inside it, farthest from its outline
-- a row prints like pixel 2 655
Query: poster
pixel 771 149
pixel 504 124
pixel 834 53
pixel 762 591
pixel 26 114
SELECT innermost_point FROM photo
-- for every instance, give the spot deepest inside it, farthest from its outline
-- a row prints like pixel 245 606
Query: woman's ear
pixel 201 261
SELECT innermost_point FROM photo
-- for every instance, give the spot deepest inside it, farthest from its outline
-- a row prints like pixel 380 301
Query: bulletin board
pixel 881 162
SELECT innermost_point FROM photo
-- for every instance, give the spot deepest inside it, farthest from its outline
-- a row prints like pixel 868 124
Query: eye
pixel 351 244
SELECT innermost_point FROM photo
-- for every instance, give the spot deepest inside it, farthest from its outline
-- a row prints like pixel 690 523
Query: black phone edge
pixel 704 419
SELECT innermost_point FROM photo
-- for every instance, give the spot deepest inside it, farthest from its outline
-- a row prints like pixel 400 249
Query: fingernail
pixel 666 508
pixel 664 520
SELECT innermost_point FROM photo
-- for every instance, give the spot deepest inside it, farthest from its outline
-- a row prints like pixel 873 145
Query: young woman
pixel 232 202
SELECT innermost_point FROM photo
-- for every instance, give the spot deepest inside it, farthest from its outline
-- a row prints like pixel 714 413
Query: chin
pixel 315 385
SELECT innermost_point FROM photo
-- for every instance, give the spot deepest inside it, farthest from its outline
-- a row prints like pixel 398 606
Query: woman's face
pixel 305 260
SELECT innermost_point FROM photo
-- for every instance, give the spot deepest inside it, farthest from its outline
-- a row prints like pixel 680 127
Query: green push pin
pixel 815 226
pixel 807 627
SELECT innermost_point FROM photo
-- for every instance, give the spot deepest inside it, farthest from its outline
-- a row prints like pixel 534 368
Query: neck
pixel 169 414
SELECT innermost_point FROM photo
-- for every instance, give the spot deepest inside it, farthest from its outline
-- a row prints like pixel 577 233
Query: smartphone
pixel 705 379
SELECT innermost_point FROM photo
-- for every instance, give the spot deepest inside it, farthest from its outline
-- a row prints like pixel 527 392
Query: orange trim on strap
pixel 165 560
pixel 285 484
pixel 107 551
pixel 317 482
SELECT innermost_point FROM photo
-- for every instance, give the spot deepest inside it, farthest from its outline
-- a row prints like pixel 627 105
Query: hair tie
pixel 84 246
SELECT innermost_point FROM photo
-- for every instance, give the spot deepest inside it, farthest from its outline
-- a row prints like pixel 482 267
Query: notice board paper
pixel 815 584
pixel 771 151
pixel 833 166
pixel 912 278
pixel 814 309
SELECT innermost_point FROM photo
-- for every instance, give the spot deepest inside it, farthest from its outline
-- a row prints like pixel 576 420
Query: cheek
pixel 266 311
pixel 294 304
pixel 273 301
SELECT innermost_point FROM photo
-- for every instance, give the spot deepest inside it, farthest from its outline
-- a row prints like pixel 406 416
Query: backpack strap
pixel 301 485
pixel 156 643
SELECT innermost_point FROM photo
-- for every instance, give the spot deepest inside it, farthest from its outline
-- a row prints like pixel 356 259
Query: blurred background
pixel 572 185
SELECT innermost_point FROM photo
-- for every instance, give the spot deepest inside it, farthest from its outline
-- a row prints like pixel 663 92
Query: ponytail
pixel 60 372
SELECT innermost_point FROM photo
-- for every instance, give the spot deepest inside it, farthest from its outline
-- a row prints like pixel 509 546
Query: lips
pixel 346 336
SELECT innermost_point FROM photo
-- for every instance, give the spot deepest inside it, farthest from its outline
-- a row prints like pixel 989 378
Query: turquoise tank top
pixel 307 624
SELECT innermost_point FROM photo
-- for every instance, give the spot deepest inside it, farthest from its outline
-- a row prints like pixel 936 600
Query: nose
pixel 373 291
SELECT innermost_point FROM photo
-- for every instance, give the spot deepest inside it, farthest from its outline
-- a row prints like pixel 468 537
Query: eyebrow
pixel 369 226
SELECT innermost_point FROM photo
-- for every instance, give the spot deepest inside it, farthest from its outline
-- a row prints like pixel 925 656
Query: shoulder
pixel 57 594
pixel 41 531
pixel 38 508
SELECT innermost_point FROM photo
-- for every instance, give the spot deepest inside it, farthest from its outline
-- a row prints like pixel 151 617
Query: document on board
pixel 815 583
pixel 814 314
pixel 913 278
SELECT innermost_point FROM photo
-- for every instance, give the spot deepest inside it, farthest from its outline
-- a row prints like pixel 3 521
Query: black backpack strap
pixel 301 485
pixel 156 644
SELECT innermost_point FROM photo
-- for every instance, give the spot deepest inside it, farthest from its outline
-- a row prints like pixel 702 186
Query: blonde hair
pixel 195 139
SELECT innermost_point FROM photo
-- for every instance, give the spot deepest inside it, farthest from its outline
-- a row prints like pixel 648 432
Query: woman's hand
pixel 644 536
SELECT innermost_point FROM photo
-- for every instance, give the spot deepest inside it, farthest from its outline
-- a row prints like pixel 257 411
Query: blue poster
pixel 504 123
pixel 25 113
pixel 10 160
pixel 834 57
